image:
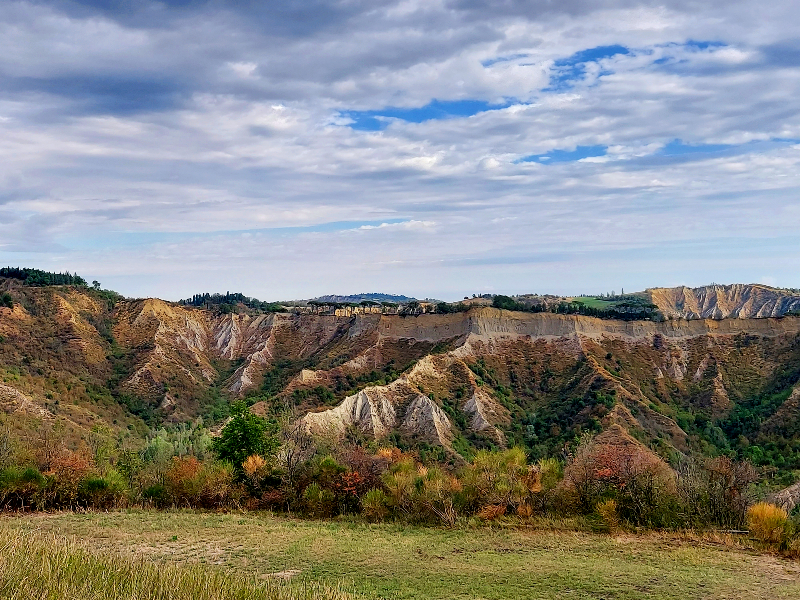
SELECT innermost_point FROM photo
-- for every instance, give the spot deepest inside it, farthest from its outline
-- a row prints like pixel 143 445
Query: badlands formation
pixel 485 376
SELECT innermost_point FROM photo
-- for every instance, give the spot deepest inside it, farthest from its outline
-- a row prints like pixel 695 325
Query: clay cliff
pixel 738 301
pixel 458 381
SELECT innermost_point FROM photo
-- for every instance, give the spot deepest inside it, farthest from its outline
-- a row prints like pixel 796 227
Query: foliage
pixel 226 303
pixel 626 308
pixel 6 300
pixel 244 435
pixel 35 277
pixel 642 486
pixel 448 308
pixel 375 505
pixel 193 484
pixel 501 478
pixel 715 492
pixel 609 513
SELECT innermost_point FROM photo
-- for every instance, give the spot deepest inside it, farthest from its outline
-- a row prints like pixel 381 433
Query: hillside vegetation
pixel 127 393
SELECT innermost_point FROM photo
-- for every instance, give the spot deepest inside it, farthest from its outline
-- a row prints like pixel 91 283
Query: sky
pixel 434 148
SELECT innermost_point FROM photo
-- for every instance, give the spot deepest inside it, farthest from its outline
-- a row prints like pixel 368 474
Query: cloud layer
pixel 436 148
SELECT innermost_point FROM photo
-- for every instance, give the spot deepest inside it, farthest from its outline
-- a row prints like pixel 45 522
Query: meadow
pixel 207 555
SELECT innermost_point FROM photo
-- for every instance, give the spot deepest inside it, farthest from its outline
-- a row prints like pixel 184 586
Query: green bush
pixel 104 491
pixel 21 488
pixel 319 501
pixel 244 435
pixel 375 504
pixel 157 495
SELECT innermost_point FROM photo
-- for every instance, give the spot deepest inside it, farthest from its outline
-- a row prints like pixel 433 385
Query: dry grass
pixel 35 567
pixel 497 561
pixel 767 522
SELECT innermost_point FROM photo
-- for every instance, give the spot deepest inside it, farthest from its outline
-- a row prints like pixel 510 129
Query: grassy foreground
pixel 34 567
pixel 162 555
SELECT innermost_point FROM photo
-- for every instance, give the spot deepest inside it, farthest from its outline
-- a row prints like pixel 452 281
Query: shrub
pixel 767 522
pixel 434 495
pixel 615 466
pixel 157 495
pixel 217 486
pixel 67 471
pixel 375 504
pixel 551 472
pixel 102 491
pixel 608 513
pixel 490 512
pixel 320 502
pixel 500 478
pixel 399 483
pixel 715 492
pixel 194 484
pixel 260 476
pixel 244 435
pixel 20 488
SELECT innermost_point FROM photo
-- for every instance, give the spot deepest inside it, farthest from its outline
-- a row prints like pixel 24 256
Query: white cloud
pixel 188 129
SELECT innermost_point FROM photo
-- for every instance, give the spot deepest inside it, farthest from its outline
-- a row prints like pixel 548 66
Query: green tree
pixel 244 435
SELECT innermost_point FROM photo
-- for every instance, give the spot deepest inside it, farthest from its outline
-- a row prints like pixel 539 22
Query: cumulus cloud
pixel 434 148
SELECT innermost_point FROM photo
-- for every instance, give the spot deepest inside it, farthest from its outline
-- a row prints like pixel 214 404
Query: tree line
pixel 631 308
pixel 227 302
pixel 36 277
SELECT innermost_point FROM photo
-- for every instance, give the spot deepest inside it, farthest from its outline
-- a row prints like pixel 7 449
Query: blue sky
pixel 438 148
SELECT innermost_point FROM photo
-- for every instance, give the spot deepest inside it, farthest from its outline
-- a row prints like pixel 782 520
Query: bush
pixel 614 466
pixel 490 512
pixel 501 478
pixel 104 491
pixel 399 483
pixel 245 434
pixel 767 522
pixel 21 488
pixel 320 502
pixel 608 513
pixel 194 484
pixel 435 495
pixel 375 504
pixel 67 471
pixel 715 492
pixel 157 495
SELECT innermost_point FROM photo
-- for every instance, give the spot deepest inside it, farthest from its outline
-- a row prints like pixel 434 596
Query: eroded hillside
pixel 455 382
pixel 741 301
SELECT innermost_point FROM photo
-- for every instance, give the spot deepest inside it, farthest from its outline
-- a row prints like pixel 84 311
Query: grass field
pixel 593 302
pixel 402 562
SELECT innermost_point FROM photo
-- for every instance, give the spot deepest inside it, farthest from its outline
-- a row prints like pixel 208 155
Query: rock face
pixel 402 406
pixel 482 377
pixel 724 301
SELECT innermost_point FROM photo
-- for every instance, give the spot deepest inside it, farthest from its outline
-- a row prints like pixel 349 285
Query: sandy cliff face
pixel 534 361
pixel 404 406
pixel 738 301
pixel 487 377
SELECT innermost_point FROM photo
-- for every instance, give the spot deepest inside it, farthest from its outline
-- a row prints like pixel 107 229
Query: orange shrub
pixel 490 512
pixel 614 465
pixel 767 522
pixel 194 484
pixel 67 470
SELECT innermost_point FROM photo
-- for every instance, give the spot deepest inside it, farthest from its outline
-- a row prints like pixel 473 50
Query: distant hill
pixel 375 297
